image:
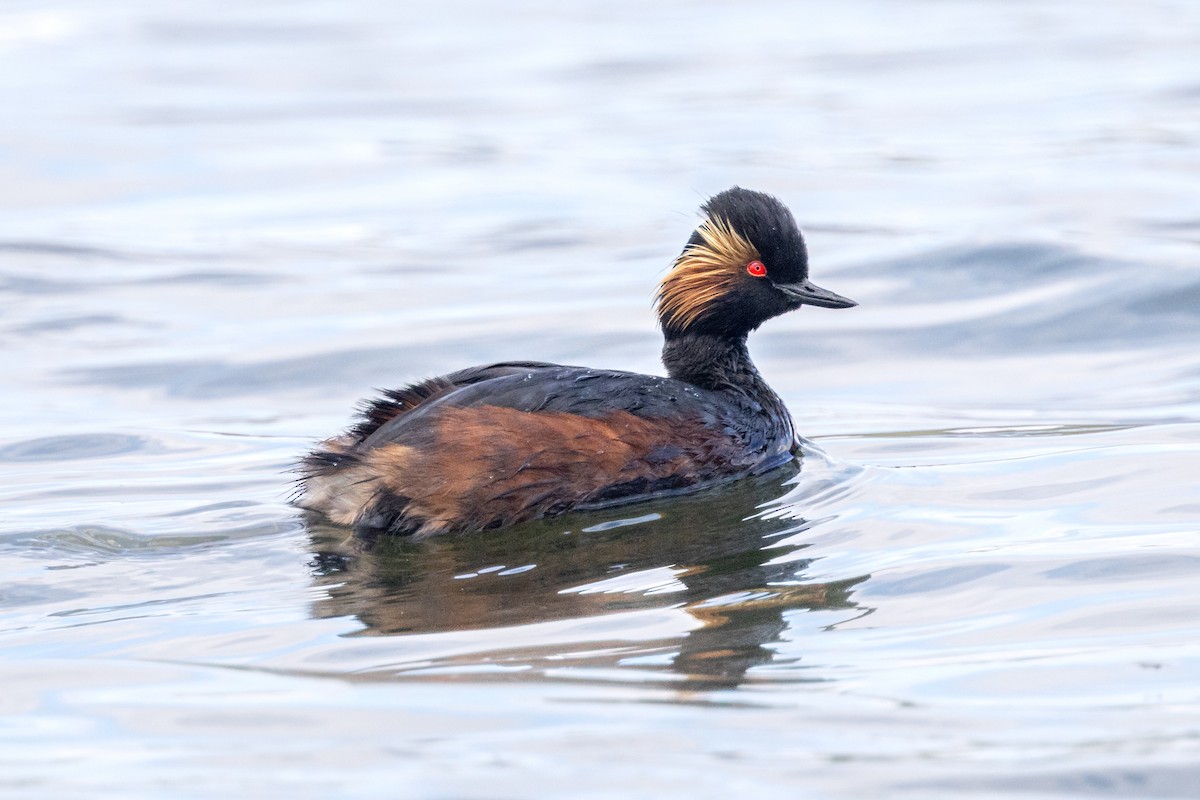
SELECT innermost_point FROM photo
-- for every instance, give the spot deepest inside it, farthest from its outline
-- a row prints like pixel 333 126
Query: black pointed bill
pixel 809 294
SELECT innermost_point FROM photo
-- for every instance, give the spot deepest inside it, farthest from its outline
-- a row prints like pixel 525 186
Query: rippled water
pixel 223 224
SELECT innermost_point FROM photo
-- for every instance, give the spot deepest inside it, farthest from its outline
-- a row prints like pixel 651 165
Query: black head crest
pixel 707 290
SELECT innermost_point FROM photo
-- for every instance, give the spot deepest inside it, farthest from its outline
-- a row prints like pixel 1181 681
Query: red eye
pixel 757 269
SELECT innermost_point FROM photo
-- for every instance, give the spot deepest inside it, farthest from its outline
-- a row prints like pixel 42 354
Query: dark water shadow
pixel 712 555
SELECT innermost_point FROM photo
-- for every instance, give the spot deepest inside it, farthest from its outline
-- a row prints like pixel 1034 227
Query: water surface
pixel 223 225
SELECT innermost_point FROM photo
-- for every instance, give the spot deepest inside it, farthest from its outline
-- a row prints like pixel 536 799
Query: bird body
pixel 494 445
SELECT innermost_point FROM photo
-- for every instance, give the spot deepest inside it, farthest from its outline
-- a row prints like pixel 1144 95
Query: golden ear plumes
pixel 702 273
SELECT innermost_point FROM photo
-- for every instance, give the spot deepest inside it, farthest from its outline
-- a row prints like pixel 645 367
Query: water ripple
pixel 74 447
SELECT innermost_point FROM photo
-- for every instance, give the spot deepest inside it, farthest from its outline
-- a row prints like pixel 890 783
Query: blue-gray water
pixel 221 224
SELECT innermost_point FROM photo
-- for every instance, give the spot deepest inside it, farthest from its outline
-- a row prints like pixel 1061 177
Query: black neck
pixel 722 364
pixel 717 363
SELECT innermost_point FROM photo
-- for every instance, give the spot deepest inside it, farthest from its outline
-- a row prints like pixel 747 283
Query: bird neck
pixel 722 364
pixel 717 363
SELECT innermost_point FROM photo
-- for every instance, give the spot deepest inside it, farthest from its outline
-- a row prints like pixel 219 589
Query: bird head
pixel 745 263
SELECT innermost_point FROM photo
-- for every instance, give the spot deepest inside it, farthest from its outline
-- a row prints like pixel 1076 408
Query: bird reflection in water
pixel 715 556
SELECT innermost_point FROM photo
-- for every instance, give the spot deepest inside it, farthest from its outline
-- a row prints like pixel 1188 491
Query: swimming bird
pixel 494 445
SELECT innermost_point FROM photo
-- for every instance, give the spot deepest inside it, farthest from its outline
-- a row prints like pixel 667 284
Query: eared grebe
pixel 494 445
